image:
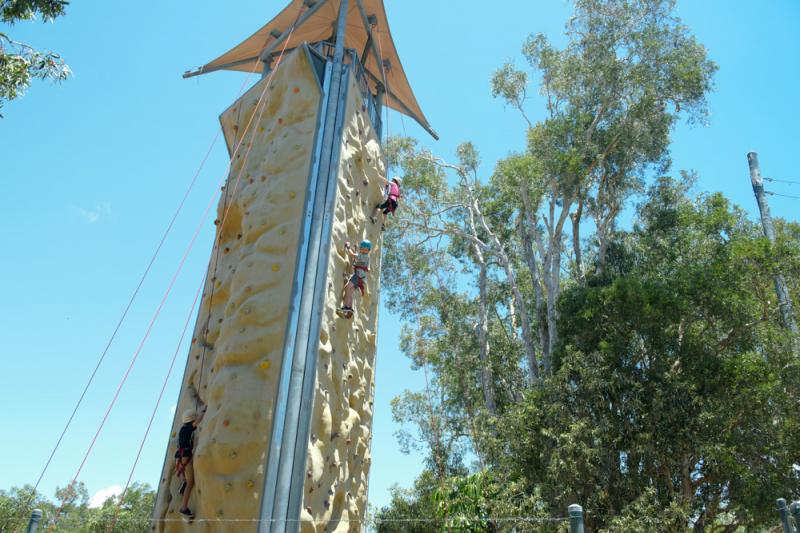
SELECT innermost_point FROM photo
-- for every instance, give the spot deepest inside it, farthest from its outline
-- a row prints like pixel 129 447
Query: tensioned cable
pixel 129 304
pixel 784 195
pixel 158 310
pixel 790 182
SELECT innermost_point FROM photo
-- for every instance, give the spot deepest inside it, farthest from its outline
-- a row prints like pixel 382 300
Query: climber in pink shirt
pixel 390 204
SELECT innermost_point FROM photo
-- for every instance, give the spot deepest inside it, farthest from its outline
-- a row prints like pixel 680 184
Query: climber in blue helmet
pixel 360 268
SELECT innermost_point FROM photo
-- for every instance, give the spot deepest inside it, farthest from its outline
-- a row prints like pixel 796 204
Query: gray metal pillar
pixel 575 512
pixel 285 477
pixel 794 510
pixel 36 516
pixel 784 512
pixel 784 300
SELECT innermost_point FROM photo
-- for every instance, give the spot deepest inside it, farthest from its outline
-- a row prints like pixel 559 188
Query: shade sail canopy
pixel 317 22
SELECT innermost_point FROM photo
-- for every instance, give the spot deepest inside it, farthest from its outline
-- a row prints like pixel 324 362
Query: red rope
pixel 158 402
pixel 130 304
pixel 183 259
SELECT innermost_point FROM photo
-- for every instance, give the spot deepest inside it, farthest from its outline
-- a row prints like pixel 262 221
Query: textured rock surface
pixel 234 362
pixel 337 464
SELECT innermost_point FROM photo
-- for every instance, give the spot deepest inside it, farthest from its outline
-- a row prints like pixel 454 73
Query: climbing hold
pixel 296 90
pixel 263 178
pixel 276 267
pixel 280 121
pixel 227 249
pixel 216 222
pixel 250 484
pixel 264 365
pixel 308 473
pixel 261 129
pixel 228 487
pixel 292 194
pixel 226 423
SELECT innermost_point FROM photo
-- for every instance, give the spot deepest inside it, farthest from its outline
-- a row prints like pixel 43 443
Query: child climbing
pixel 184 465
pixel 360 269
pixel 390 203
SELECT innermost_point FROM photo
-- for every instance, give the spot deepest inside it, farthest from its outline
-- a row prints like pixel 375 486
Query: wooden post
pixel 784 300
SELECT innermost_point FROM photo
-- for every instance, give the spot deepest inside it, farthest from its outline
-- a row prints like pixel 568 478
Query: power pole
pixel 784 300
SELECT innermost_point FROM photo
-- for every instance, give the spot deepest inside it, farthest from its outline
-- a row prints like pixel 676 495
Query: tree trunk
pixel 483 337
pixel 576 239
pixel 497 247
pixel 527 225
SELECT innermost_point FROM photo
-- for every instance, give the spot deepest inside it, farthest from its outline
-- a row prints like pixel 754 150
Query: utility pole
pixel 784 300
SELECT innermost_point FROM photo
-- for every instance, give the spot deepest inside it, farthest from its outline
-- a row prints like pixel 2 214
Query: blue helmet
pixel 365 244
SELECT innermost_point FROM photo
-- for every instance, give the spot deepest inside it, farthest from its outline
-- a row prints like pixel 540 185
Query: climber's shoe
pixel 187 514
pixel 373 219
pixel 345 312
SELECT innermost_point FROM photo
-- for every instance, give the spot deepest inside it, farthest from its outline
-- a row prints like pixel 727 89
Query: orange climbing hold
pixel 265 365
pixel 296 90
pixel 226 423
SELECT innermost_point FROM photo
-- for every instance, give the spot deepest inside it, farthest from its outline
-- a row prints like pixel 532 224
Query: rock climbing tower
pixel 288 385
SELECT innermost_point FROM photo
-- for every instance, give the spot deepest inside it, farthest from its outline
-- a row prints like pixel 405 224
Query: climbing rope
pixel 260 104
pixel 155 408
pixel 129 305
pixel 226 206
pixel 166 294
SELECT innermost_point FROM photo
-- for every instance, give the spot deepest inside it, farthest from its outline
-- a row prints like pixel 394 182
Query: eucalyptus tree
pixel 612 95
pixel 20 62
pixel 673 392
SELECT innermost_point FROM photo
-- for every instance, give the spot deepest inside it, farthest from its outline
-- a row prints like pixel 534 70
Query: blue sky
pixel 92 170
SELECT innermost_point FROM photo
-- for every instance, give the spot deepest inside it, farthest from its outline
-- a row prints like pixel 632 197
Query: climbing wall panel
pixel 337 463
pixel 235 357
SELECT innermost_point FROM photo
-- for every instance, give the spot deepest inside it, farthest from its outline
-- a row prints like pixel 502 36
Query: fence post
pixel 36 515
pixel 794 509
pixel 575 512
pixel 784 512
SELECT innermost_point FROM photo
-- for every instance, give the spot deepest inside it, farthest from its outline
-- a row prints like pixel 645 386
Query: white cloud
pixel 103 209
pixel 103 494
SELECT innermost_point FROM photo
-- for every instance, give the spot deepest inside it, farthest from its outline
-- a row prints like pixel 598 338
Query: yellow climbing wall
pixel 235 357
pixel 337 463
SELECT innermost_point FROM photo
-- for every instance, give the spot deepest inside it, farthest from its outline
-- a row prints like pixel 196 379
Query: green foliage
pixel 674 380
pixel 21 63
pixel 72 513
